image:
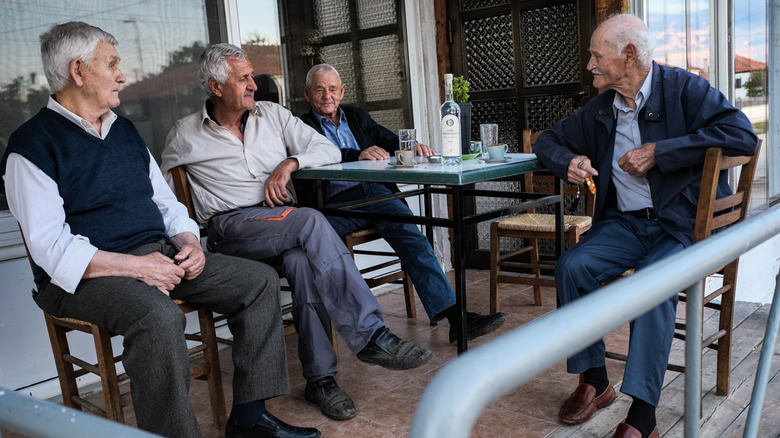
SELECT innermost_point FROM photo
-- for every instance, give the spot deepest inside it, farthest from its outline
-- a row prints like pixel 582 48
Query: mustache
pixel 595 71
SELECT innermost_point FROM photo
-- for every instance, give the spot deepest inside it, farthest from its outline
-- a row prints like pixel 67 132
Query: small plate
pixel 434 159
pixel 402 166
pixel 498 161
pixel 469 156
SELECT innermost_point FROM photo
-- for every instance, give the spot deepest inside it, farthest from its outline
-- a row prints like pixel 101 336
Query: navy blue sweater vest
pixel 104 184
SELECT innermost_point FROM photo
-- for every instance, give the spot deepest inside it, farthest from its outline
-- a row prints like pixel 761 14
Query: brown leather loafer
pixel 627 431
pixel 583 403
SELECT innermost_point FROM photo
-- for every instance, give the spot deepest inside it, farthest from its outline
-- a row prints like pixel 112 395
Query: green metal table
pixel 457 181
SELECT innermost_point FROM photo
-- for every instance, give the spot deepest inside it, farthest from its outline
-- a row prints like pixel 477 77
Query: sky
pixel 258 17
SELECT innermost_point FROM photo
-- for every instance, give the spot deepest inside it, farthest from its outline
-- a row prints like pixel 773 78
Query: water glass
pixel 407 139
pixel 488 134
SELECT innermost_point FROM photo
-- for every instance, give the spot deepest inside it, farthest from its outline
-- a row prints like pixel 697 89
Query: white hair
pixel 214 64
pixel 320 69
pixel 625 29
pixel 65 42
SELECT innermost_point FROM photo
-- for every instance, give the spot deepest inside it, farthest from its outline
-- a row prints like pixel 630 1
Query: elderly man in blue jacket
pixel 643 141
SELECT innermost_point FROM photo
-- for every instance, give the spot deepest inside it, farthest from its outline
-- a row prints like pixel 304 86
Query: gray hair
pixel 65 42
pixel 214 63
pixel 625 29
pixel 320 69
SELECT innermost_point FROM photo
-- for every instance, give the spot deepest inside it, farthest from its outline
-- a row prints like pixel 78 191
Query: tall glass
pixel 407 139
pixel 488 134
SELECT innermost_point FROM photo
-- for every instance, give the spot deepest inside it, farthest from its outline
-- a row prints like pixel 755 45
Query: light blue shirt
pixel 341 137
pixel 633 193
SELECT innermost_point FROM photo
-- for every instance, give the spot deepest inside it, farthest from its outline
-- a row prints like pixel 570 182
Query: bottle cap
pixel 447 76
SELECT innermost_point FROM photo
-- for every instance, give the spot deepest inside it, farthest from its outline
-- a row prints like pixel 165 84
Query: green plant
pixel 460 89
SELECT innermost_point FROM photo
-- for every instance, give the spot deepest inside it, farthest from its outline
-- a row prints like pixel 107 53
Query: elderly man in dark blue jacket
pixel 643 141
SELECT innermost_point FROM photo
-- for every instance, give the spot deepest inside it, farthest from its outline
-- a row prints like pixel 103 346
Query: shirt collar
pixel 641 96
pixel 321 118
pixel 106 119
pixel 209 114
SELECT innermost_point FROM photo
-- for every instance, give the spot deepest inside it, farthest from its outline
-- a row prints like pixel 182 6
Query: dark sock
pixel 451 313
pixel 641 415
pixel 597 378
pixel 247 414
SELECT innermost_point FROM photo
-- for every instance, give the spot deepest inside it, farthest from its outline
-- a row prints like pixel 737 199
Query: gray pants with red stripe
pixel 326 284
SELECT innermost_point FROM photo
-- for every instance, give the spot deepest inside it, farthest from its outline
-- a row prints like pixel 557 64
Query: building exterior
pixel 392 54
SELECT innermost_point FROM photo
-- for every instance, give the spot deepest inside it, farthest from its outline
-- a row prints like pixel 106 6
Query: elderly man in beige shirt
pixel 239 155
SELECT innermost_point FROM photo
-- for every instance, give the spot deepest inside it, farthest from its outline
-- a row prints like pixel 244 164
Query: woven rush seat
pixel 542 223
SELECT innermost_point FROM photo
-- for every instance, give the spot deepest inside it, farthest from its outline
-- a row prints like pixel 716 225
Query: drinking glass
pixel 407 139
pixel 488 134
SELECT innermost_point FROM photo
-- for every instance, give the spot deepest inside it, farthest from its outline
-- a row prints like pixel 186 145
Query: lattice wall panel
pixel 551 45
pixel 393 119
pixel 474 4
pixel 382 68
pixel 501 112
pixel 340 57
pixel 545 111
pixel 374 13
pixel 490 57
pixel 331 17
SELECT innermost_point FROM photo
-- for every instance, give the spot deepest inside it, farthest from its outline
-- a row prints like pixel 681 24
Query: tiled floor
pixel 386 400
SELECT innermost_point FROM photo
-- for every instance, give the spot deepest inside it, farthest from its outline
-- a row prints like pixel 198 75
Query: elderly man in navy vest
pixel 643 141
pixel 359 137
pixel 113 247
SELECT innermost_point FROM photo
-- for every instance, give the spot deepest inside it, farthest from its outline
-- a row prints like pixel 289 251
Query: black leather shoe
pixel 332 400
pixel 478 325
pixel 391 352
pixel 269 426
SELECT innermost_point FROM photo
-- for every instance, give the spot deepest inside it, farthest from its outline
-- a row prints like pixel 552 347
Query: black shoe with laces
pixel 389 351
pixel 332 400
pixel 478 325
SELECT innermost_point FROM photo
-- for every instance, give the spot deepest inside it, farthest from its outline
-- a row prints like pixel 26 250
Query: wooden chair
pixel 533 226
pixel 351 240
pixel 711 215
pixel 105 367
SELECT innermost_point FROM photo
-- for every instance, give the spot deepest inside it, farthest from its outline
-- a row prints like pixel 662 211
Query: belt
pixel 645 213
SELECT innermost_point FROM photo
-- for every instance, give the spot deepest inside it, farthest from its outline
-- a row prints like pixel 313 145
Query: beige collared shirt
pixel 225 173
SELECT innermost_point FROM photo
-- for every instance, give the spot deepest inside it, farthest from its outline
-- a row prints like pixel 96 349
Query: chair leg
pixel 534 244
pixel 108 377
pixel 334 337
pixel 214 376
pixel 495 252
pixel 411 308
pixel 65 372
pixel 726 323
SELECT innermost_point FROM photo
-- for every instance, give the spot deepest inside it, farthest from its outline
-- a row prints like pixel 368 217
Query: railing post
pixel 764 363
pixel 693 339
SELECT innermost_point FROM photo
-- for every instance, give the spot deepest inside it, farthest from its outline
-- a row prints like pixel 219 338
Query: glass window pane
pixel 259 29
pixel 666 20
pixel 750 83
pixel 159 43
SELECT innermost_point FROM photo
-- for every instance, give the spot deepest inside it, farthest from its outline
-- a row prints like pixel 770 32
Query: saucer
pixel 469 156
pixel 498 161
pixel 402 166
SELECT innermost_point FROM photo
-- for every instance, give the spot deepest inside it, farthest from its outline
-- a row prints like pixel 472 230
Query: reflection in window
pixel 159 43
pixel 682 34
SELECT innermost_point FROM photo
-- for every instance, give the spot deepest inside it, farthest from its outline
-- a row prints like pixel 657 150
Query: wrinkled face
pixel 325 94
pixel 238 92
pixel 609 68
pixel 102 78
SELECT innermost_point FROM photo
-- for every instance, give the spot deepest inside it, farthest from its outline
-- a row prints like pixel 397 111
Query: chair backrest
pixel 182 188
pixel 544 181
pixel 715 213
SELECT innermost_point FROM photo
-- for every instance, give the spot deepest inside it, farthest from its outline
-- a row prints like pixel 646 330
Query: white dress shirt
pixel 226 174
pixel 33 198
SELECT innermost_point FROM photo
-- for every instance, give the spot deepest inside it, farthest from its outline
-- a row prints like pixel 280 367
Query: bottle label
pixel 450 136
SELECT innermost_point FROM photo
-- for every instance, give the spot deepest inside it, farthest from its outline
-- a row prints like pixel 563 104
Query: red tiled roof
pixel 743 64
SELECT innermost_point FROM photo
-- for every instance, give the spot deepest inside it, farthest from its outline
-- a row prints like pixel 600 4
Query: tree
pixel 185 56
pixel 756 84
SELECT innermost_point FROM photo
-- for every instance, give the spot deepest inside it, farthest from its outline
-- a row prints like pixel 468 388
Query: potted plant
pixel 460 93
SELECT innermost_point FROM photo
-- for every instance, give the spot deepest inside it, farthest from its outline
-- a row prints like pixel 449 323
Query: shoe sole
pixel 394 367
pixel 484 330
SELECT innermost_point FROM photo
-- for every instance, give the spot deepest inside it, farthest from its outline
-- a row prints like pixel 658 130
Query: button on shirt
pixel 341 136
pixel 633 193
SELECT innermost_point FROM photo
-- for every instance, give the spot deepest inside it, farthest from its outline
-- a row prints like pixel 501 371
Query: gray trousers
pixel 155 352
pixel 326 283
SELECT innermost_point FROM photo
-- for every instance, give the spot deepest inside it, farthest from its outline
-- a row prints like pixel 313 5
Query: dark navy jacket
pixel 367 133
pixel 684 115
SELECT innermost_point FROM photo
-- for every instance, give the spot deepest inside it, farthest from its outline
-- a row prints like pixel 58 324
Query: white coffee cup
pixel 404 157
pixel 496 152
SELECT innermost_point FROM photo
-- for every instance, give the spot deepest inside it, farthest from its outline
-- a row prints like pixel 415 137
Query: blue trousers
pixel 411 246
pixel 616 243
pixel 326 284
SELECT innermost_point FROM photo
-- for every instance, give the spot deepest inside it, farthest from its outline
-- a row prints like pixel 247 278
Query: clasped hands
pixel 377 153
pixel 635 162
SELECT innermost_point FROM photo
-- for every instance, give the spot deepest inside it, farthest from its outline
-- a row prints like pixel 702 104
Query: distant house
pixel 742 68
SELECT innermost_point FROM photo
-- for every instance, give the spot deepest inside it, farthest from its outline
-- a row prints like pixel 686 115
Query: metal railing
pixel 461 390
pixel 36 418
